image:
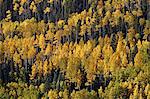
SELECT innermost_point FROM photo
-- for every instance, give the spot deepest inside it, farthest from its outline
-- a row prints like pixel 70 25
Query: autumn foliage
pixel 75 49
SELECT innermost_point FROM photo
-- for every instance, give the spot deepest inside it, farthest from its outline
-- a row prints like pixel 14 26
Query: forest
pixel 74 49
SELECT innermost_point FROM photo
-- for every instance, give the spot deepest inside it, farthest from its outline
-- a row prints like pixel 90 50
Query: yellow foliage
pixel 34 71
pixel 48 49
pixel 31 52
pixel 45 67
pixel 53 94
pixel 47 10
pixel 83 29
pixel 42 41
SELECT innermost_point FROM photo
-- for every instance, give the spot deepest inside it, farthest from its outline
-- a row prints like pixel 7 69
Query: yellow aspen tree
pixel 60 23
pixel 138 59
pixel 45 67
pixel 129 18
pixel 58 35
pixel 21 9
pixel 119 46
pixel 147 89
pixel 50 66
pixel 47 10
pixel 115 61
pixel 136 92
pixel 115 17
pixel 100 92
pixel 72 69
pixel 140 94
pixel 34 71
pixel 16 58
pixel 131 96
pixel 49 35
pixel 53 94
pixel 67 30
pixel 31 52
pixel 33 7
pixel 124 60
pixel 65 94
pixel 41 27
pixel 83 29
pixel 40 68
pixel 111 93
pixel 91 69
pixel 48 49
pixel 16 7
pixel 42 41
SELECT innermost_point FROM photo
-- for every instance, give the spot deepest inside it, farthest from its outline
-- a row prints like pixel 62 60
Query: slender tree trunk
pixel 76 35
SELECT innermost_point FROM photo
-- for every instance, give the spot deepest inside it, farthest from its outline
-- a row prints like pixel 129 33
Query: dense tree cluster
pixel 75 49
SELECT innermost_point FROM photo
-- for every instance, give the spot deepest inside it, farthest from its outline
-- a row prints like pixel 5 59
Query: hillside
pixel 74 49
